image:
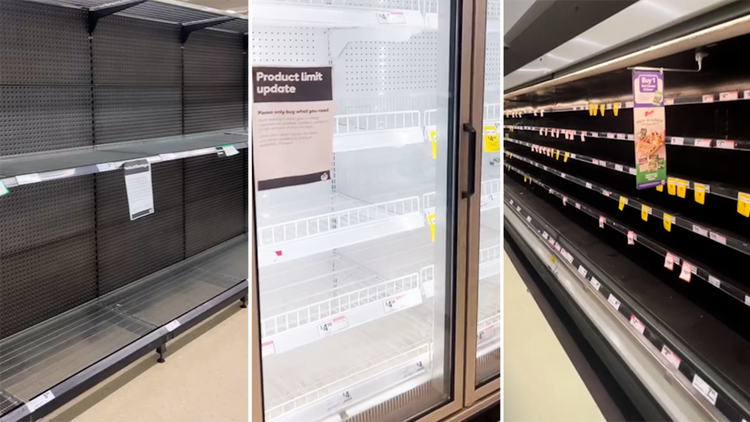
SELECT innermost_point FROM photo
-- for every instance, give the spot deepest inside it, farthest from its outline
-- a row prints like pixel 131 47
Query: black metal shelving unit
pixel 86 87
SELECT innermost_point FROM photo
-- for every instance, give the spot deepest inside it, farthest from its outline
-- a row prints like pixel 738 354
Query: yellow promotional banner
pixel 649 129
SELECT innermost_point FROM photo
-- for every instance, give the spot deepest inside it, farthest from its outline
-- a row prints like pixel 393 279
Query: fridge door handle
pixel 469 128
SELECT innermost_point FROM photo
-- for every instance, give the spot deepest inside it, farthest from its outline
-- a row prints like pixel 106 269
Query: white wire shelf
pixel 491 194
pixel 337 14
pixel 307 236
pixel 324 378
pixel 354 132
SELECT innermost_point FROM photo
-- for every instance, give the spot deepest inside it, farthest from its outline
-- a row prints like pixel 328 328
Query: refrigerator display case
pixel 653 277
pixel 362 277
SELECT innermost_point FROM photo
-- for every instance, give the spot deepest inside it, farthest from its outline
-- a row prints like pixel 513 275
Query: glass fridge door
pixel 484 321
pixel 358 268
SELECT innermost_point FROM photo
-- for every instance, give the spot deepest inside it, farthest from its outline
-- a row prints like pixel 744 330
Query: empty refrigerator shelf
pixel 51 165
pixel 42 356
pixel 354 132
pixel 324 378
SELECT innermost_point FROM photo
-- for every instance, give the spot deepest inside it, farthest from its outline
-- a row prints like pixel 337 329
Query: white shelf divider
pixel 354 132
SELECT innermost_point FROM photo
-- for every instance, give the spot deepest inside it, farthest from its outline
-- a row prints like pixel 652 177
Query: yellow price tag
pixel 645 211
pixel 557 155
pixel 660 188
pixel 743 204
pixel 525 179
pixel 668 220
pixel 431 219
pixel 592 109
pixel 511 128
pixel 602 107
pixel 623 202
pixel 682 188
pixel 616 108
pixel 491 139
pixel 510 155
pixel 671 185
pixel 565 159
pixel 700 193
pixel 433 138
pixel 530 179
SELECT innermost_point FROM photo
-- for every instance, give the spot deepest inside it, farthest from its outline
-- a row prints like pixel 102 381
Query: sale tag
pixel 700 193
pixel 602 220
pixel 645 212
pixel 631 237
pixel 668 220
pixel 660 188
pixel 431 220
pixel 433 138
pixel 682 188
pixel 671 185
pixel 669 261
pixel 743 204
pixel 687 271
pixel 623 202
pixel 491 139
pixel 616 108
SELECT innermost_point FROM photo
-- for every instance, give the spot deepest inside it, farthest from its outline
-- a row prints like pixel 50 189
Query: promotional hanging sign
pixel 650 132
pixel 293 125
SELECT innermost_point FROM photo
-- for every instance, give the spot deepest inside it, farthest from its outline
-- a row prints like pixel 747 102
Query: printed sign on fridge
pixel 293 124
pixel 650 132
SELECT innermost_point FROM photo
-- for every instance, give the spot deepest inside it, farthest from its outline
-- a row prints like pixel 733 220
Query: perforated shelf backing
pixel 291 46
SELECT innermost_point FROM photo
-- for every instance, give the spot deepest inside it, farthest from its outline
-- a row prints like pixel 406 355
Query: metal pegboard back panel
pixel 138 80
pixel 137 52
pixel 493 8
pixel 289 46
pixel 43 45
pixel 214 83
pixel 43 213
pixel 41 283
pixel 47 251
pixel 214 58
pixel 380 67
pixel 132 113
pixel 493 72
pixel 129 250
pixel 209 108
pixel 44 118
pixel 214 200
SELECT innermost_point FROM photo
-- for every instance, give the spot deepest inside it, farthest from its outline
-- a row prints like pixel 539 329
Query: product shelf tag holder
pixel 649 123
pixel 139 189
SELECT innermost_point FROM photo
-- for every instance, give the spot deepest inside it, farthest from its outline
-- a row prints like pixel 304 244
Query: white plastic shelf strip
pixel 709 188
pixel 552 240
pixel 331 399
pixel 709 97
pixel 319 320
pixel 671 140
pixel 354 132
pixel 303 237
pixel 699 269
pixel 723 238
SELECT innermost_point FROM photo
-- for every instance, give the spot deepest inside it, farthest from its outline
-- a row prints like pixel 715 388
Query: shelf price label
pixel 702 386
pixel 602 107
pixel 645 212
pixel 639 326
pixel 682 188
pixel 431 220
pixel 602 220
pixel 623 202
pixel 669 261
pixel 407 300
pixel 672 358
pixel 40 401
pixel 687 271
pixel 613 301
pixel 700 193
pixel 268 349
pixel 671 186
pixel 668 220
pixel 491 139
pixel 743 204
pixel 390 18
pixel 333 326
pixel 227 151
pixel 616 108
pixel 338 400
pixel 631 237
pixel 3 189
pixel 660 188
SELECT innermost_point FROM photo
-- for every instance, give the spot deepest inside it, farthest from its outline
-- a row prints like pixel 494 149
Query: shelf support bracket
pixel 104 10
pixel 190 27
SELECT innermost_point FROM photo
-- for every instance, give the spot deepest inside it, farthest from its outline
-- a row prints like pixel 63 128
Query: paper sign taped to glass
pixel 650 133
pixel 293 124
